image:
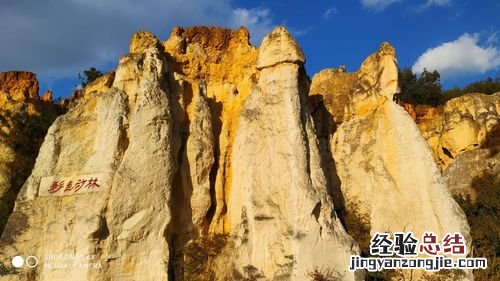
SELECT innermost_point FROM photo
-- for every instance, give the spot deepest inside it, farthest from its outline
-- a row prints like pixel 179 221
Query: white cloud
pixel 378 5
pixel 461 56
pixel 330 12
pixel 59 38
pixel 257 20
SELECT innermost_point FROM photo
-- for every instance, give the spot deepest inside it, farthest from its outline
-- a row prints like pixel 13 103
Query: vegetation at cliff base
pixel 323 274
pixel 25 135
pixel 194 260
pixel 357 225
pixel 483 215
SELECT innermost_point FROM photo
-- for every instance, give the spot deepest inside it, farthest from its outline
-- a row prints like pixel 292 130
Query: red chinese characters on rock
pixel 71 186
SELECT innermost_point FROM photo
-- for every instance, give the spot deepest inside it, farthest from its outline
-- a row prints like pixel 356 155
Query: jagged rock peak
pixel 380 71
pixel 349 94
pixel 211 53
pixel 143 40
pixel 19 85
pixel 377 81
pixel 48 96
pixel 208 37
pixel 278 47
pixel 386 49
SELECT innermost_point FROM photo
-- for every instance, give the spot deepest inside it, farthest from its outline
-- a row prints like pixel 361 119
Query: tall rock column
pixel 278 209
pixel 139 209
pixel 100 190
pixel 385 165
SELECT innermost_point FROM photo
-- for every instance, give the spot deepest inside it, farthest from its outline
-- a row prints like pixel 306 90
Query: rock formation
pixel 221 63
pixel 19 85
pixel 120 147
pixel 47 96
pixel 422 113
pixel 24 120
pixel 385 164
pixel 335 87
pixel 278 185
pixel 206 158
pixel 385 167
pixel 466 123
pixel 128 175
pixel 461 174
pixel 464 137
pixel 100 84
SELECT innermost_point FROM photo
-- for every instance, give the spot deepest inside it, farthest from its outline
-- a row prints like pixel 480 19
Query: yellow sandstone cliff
pixel 206 158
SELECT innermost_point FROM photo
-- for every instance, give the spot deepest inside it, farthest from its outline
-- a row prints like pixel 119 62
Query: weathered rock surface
pixel 385 165
pixel 279 47
pixel 467 123
pixel 121 140
pixel 198 161
pixel 461 175
pixel 100 84
pixel 19 85
pixel 422 113
pixel 345 94
pixel 24 120
pixel 335 87
pixel 374 158
pixel 278 208
pixel 205 136
pixel 222 63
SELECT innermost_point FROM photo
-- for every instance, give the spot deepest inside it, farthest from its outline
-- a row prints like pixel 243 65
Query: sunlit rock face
pixel 394 160
pixel 385 167
pixel 24 120
pixel 219 64
pixel 279 208
pixel 102 182
pixel 19 85
pixel 143 164
pixel 465 123
pixel 206 157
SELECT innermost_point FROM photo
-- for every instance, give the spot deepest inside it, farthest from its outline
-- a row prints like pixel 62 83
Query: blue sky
pixel 59 38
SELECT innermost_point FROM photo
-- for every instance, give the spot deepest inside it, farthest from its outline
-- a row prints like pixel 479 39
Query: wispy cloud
pixel 493 38
pixel 301 32
pixel 430 3
pixel 258 20
pixel 464 55
pixel 378 5
pixel 330 12
pixel 297 32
